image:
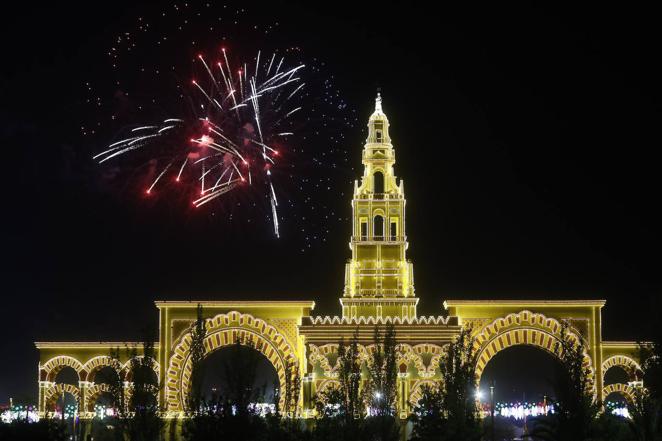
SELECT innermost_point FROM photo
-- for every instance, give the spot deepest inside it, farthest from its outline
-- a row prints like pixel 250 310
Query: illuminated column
pixel 597 352
pixel 127 394
pixel 43 387
pixel 163 357
pixel 403 394
pixel 82 407
pixel 308 386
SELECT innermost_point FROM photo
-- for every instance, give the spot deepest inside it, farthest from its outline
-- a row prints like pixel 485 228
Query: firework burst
pixel 240 118
pixel 247 134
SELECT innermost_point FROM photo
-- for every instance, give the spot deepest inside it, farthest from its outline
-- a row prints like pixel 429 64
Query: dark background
pixel 527 138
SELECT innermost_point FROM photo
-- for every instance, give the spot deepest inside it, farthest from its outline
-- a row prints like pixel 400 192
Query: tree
pixel 145 423
pixel 450 412
pixel 112 378
pixel 197 355
pixel 645 423
pixel 575 411
pixel 230 415
pixel 239 376
pixel 349 376
pixel 646 408
pixel 382 383
pixel 339 409
pixel 427 415
pixel 458 388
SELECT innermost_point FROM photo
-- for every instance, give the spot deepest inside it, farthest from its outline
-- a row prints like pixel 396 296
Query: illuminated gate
pixel 378 290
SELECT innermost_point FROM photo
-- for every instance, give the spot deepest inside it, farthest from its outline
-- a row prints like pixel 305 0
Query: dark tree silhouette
pixel 382 383
pixel 450 412
pixel 575 413
pixel 145 423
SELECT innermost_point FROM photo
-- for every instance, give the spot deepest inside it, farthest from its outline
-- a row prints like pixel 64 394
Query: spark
pixel 149 190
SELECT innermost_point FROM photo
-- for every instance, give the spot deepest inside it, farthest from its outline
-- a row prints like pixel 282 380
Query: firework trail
pixel 240 118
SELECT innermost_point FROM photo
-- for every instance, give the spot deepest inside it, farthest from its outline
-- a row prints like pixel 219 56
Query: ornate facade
pixel 379 289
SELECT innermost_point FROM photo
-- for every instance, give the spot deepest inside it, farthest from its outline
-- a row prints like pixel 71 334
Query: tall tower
pixel 379 280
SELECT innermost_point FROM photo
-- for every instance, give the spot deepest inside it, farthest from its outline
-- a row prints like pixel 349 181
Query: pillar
pixel 403 394
pixel 43 387
pixel 83 386
pixel 308 394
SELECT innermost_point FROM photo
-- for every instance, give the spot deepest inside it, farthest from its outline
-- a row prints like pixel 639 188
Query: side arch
pixel 56 390
pixel 225 330
pixel 625 390
pixel 321 354
pixel 95 364
pixel 417 390
pixel 93 393
pixel 127 375
pixel 523 328
pixel 52 367
pixel 631 367
pixel 407 355
pixel 327 385
pixel 436 353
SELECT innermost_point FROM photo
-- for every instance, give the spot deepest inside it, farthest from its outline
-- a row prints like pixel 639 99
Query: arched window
pixel 378 182
pixel 378 135
pixel 378 227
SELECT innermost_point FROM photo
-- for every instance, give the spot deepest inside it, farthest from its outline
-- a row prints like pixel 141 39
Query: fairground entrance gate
pixel 379 289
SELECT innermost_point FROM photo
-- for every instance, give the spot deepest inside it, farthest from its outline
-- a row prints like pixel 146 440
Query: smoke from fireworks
pixel 233 138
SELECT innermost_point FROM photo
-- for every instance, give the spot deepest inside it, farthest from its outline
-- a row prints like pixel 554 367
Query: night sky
pixel 526 137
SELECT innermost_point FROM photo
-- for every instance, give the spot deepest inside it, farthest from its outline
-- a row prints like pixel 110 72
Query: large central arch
pixel 224 330
pixel 523 328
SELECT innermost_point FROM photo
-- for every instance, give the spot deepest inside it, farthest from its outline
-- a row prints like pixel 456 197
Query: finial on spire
pixel 378 102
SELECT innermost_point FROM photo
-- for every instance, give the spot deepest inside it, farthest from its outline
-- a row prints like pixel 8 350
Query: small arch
pixel 127 371
pixel 93 393
pixel 327 385
pixel 624 362
pixel 54 392
pixel 53 366
pixel 418 388
pixel 378 182
pixel 106 375
pixel 67 375
pixel 406 356
pixel 327 356
pixel 93 365
pixel 627 391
